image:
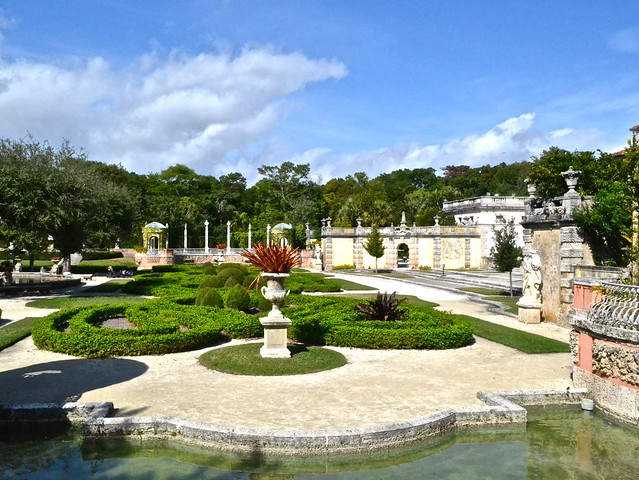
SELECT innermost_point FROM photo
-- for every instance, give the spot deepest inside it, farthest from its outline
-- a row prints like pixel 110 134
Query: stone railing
pixel 485 202
pixel 203 251
pixel 619 307
pixel 434 230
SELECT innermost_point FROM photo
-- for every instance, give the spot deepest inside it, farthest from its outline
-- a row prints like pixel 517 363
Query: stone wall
pixel 551 231
pixel 605 349
pixel 428 247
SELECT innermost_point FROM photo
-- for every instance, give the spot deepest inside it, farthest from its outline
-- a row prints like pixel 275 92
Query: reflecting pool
pixel 556 444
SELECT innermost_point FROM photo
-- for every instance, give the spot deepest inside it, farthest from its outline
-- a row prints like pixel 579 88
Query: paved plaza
pixel 375 387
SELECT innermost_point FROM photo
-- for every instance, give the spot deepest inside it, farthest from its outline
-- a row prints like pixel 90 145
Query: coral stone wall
pixel 547 243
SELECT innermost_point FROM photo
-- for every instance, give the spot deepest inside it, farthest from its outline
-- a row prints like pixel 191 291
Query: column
pixel 186 242
pixel 206 236
pixel 250 238
pixel 228 237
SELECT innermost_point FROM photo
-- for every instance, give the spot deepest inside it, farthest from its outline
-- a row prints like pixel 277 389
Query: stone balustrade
pixel 605 347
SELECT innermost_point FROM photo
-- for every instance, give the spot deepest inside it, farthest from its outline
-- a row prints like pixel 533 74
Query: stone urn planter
pixel 275 323
pixel 275 262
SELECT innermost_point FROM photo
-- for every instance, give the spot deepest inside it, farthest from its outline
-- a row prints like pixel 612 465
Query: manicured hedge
pixel 161 327
pixel 332 321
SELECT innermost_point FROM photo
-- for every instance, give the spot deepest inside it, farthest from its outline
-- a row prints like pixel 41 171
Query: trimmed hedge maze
pixel 158 328
pixel 173 324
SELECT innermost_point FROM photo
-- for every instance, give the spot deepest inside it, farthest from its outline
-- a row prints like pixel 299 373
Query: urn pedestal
pixel 275 323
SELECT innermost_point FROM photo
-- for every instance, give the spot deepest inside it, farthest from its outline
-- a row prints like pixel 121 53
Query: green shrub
pixel 231 282
pixel 224 275
pixel 330 321
pixel 210 282
pixel 238 298
pixel 343 267
pixel 212 298
pixel 311 282
pixel 248 281
pixel 234 266
pixel 238 324
pixel 209 269
pixel 161 328
pixel 101 255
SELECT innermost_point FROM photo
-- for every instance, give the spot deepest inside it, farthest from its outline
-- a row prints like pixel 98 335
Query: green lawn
pixel 70 302
pixel 246 360
pixel 496 295
pixel 348 285
pixel 522 341
pixel 15 331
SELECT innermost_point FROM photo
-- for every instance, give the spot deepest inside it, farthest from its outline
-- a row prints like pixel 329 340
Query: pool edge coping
pixel 502 408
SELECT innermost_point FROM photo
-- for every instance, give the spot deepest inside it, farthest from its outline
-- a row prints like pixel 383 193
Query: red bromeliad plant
pixel 273 258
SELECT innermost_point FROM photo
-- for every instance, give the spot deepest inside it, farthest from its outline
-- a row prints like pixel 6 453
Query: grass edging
pixel 245 359
pixel 523 341
pixel 16 331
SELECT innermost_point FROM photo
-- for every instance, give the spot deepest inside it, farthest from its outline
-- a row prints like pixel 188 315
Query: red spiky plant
pixel 273 258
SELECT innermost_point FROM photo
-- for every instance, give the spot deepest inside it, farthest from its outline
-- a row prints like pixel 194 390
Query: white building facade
pixel 486 213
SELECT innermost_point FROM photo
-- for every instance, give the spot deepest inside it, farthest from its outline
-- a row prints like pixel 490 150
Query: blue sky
pixel 347 86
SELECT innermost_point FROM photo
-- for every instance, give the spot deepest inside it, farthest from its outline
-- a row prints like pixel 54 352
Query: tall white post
pixel 268 234
pixel 250 239
pixel 206 236
pixel 228 237
pixel 167 236
pixel 185 237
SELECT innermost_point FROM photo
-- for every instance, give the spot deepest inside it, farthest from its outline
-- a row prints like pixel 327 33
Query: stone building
pixel 486 213
pixel 433 247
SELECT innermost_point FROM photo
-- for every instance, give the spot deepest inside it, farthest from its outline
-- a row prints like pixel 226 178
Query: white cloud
pixel 186 109
pixel 625 41
pixel 513 140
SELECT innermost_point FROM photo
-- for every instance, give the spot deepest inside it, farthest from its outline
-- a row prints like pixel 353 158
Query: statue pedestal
pixel 275 338
pixel 529 310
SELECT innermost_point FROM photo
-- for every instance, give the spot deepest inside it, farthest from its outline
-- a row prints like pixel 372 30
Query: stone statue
pixel 532 278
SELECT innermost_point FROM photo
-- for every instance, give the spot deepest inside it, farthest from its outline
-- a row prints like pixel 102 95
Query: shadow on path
pixel 64 380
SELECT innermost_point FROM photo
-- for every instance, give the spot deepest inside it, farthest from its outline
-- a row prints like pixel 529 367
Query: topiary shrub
pixel 231 282
pixel 212 298
pixel 237 298
pixel 235 266
pixel 209 269
pixel 211 282
pixel 225 274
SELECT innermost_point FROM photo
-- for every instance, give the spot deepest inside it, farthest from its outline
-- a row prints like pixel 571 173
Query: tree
pixel 374 245
pixel 506 254
pixel 613 183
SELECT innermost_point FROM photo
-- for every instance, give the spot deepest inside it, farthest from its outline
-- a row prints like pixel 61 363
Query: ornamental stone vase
pixel 275 323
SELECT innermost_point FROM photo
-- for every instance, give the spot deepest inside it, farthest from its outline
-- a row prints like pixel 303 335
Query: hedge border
pixel 162 327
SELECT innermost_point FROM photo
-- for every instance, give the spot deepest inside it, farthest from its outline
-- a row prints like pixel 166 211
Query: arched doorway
pixel 403 254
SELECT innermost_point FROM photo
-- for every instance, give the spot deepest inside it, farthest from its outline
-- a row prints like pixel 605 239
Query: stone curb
pixel 502 408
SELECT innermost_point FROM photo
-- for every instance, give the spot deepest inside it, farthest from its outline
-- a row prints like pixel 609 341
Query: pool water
pixel 556 444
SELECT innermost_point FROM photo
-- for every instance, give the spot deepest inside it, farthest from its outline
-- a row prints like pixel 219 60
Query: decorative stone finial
pixel 532 188
pixel 572 178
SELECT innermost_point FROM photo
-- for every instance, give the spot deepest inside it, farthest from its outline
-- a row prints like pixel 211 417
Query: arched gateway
pixel 431 247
